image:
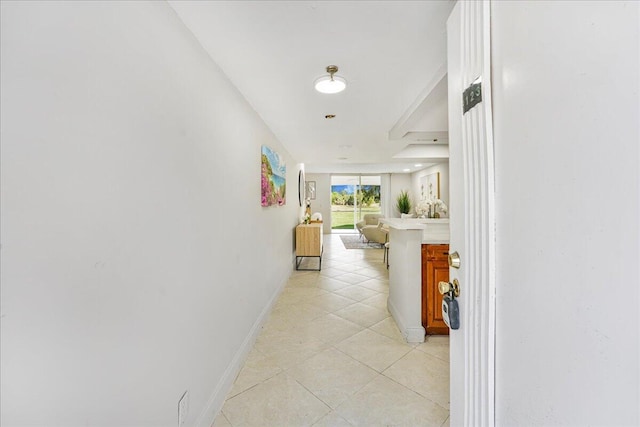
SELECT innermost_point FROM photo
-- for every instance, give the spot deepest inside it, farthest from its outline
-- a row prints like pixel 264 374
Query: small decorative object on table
pixel 439 205
pixel 429 208
pixel 307 210
pixel 442 207
pixel 423 209
pixel 316 218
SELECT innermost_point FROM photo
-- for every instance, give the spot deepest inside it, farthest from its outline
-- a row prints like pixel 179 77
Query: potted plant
pixel 403 203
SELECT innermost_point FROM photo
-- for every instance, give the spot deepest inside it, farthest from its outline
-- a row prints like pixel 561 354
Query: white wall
pixel 400 182
pixel 136 258
pixel 322 203
pixel 566 108
pixel 443 169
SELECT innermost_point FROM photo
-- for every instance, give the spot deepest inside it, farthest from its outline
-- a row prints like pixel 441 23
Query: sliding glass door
pixel 353 196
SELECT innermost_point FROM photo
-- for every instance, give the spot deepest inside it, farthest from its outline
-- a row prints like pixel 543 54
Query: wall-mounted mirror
pixel 301 187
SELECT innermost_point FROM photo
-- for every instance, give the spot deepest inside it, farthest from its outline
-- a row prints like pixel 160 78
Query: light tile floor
pixel 331 355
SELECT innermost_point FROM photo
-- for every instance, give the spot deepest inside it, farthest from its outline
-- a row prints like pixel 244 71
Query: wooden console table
pixel 308 243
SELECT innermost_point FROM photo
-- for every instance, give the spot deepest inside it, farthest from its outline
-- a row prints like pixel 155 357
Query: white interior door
pixel 472 217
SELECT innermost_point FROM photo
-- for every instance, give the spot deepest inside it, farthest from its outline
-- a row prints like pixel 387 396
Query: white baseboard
pixel 412 334
pixel 216 401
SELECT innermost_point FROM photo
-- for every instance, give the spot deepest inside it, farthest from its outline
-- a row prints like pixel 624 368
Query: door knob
pixel 454 260
pixel 446 287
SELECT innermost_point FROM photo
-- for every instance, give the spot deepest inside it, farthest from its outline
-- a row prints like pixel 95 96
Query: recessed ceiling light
pixel 406 170
pixel 329 116
pixel 330 83
pixel 418 165
pixel 346 146
pixel 342 158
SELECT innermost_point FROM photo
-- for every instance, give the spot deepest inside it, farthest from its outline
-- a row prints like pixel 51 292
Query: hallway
pixel 331 355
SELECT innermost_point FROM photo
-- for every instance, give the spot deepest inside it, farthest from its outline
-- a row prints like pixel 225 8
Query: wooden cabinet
pixel 308 243
pixel 435 268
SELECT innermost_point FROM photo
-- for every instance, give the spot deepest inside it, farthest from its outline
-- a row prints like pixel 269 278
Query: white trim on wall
pixel 385 195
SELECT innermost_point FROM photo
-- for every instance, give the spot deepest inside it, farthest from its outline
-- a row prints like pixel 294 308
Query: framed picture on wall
pixel 273 178
pixel 430 186
pixel 311 190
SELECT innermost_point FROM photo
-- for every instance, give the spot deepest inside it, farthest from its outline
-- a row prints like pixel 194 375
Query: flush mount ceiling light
pixel 330 83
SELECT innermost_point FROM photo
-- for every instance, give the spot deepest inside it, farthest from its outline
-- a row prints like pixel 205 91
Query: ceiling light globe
pixel 326 84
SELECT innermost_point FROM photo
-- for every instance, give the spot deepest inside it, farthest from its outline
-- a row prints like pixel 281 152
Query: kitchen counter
pixel 434 231
pixel 406 237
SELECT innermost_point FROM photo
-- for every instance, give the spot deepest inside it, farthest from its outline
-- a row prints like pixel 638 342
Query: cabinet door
pixel 309 240
pixel 439 272
pixel 435 268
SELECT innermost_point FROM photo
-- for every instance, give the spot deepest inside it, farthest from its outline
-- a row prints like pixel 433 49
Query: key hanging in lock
pixel 450 308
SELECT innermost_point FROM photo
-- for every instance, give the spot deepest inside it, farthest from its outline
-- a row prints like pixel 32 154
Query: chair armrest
pixel 374 233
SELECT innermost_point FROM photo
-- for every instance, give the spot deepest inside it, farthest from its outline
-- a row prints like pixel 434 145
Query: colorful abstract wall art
pixel 274 178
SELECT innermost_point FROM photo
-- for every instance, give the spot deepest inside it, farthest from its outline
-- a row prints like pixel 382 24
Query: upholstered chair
pixel 376 233
pixel 368 219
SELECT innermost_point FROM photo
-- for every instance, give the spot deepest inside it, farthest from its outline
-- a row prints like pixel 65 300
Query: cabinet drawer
pixel 436 252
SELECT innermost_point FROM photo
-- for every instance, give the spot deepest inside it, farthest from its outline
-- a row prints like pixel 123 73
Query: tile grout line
pixel 313 280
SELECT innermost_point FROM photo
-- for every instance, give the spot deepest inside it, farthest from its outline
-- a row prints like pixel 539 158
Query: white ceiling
pixel 392 54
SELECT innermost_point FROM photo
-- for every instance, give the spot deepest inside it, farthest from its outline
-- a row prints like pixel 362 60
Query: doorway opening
pixel 353 196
